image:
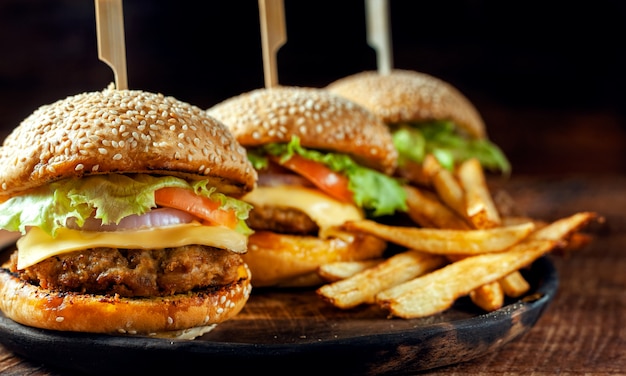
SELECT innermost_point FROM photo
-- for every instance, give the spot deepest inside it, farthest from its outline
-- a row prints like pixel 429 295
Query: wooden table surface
pixel 582 330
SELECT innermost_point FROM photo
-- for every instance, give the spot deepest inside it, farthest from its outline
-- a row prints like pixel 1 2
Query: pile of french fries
pixel 463 244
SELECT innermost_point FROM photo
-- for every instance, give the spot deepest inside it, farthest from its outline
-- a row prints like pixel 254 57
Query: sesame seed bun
pixel 319 118
pixel 322 121
pixel 125 131
pixel 154 316
pixel 410 96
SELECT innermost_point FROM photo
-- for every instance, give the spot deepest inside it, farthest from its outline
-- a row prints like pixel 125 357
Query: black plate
pixel 282 332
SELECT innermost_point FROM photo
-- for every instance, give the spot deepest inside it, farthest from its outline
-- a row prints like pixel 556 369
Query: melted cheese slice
pixel 37 245
pixel 321 208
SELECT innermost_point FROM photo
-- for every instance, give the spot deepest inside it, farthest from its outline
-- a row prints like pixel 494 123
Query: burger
pixel 322 160
pixel 128 204
pixel 426 115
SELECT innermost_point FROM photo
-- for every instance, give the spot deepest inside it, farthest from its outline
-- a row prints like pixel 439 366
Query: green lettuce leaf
pixel 378 194
pixel 107 197
pixel 415 141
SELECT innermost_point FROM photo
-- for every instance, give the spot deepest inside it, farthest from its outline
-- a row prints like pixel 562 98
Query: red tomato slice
pixel 200 206
pixel 327 180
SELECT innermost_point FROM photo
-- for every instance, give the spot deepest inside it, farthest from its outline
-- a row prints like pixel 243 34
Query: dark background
pixel 547 76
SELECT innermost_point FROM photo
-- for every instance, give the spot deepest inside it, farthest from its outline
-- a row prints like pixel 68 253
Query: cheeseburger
pixel 129 207
pixel 322 160
pixel 426 116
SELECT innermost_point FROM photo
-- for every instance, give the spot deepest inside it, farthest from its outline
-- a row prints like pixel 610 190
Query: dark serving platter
pixel 294 331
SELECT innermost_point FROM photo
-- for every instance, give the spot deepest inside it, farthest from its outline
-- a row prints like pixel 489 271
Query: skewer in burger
pixel 129 207
pixel 426 115
pixel 322 160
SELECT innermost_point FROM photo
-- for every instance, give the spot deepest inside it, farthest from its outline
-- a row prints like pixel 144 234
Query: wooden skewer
pixel 110 33
pixel 379 33
pixel 273 36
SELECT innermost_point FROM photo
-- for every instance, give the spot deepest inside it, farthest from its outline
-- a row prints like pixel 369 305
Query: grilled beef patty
pixel 134 272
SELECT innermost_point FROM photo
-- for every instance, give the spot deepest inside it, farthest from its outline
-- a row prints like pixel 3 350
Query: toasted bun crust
pixel 408 96
pixel 292 260
pixel 33 306
pixel 320 119
pixel 126 131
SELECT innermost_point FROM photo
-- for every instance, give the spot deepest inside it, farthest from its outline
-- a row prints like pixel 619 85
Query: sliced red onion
pixel 154 218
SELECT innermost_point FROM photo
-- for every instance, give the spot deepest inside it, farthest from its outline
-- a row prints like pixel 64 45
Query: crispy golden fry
pixel 363 286
pixel 446 185
pixel 479 205
pixel 563 228
pixel 437 291
pixel 514 285
pixel 446 241
pixel 336 271
pixel 489 297
pixel 430 166
pixel 427 210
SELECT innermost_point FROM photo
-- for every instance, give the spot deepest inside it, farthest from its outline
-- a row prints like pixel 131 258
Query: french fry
pixel 336 271
pixel 437 290
pixel 446 185
pixel 482 212
pixel 425 209
pixel 489 297
pixel 363 286
pixel 514 285
pixel 446 241
pixel 479 205
pixel 564 227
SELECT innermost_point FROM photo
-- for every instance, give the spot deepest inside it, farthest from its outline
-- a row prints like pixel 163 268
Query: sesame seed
pixel 113 125
pixel 59 319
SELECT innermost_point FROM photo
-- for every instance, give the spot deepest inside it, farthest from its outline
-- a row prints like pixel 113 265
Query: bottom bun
pixel 283 260
pixel 33 306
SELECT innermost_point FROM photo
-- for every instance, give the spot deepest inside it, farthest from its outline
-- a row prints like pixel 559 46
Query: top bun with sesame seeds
pixel 320 120
pixel 129 207
pixel 404 97
pixel 410 96
pixel 322 160
pixel 128 131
